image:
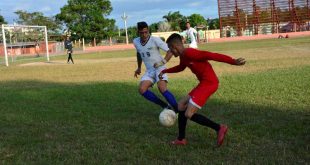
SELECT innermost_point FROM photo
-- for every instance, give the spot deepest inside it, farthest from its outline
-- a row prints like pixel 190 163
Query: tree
pixel 197 20
pixel 164 27
pixel 132 33
pixel 214 24
pixel 2 21
pixel 174 20
pixel 170 17
pixel 153 27
pixel 37 18
pixel 86 19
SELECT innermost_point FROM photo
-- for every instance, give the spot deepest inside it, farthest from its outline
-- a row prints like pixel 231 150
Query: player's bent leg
pixel 202 120
pixel 182 104
pixel 144 86
pixel 182 122
pixel 149 95
pixel 71 58
pixel 190 110
pixel 221 134
pixel 162 86
pixel 198 118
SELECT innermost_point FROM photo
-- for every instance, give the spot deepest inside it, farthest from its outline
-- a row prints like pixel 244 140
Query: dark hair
pixel 174 38
pixel 142 25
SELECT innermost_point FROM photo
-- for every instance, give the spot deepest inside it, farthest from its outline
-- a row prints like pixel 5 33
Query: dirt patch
pixel 82 61
pixel 43 63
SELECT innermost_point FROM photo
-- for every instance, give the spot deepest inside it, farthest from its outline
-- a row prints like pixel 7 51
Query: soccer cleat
pixel 178 142
pixel 221 134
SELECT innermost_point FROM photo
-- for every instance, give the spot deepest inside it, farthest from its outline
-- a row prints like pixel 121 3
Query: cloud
pixel 195 4
pixel 46 9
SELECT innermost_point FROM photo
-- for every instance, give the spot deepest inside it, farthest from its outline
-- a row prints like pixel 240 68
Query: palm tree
pixel 174 18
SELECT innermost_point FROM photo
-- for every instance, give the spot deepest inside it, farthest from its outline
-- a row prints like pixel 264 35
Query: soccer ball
pixel 167 117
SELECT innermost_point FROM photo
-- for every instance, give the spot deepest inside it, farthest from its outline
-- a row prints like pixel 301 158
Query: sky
pixel 150 11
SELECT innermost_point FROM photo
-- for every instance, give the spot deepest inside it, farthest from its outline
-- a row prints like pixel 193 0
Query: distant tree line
pixel 88 20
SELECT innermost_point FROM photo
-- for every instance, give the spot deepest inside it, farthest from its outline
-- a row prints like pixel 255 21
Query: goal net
pixel 22 42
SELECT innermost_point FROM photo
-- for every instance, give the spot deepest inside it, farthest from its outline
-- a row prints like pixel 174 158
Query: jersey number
pixel 147 54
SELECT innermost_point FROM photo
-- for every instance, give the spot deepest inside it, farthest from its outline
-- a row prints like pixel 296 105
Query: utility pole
pixel 124 17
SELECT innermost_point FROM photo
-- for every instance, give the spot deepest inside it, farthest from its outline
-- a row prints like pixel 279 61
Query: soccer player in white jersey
pixel 191 36
pixel 148 51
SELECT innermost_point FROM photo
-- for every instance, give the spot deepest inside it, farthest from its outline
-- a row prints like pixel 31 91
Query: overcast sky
pixel 146 10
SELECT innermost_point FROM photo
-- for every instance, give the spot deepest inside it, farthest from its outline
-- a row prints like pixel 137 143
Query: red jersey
pixel 197 61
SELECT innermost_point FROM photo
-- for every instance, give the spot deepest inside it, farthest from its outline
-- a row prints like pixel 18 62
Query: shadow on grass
pixel 110 123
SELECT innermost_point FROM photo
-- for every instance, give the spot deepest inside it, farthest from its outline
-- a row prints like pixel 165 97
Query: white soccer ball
pixel 167 117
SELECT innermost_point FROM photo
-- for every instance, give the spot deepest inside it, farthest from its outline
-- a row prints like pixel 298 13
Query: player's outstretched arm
pixel 201 55
pixel 205 55
pixel 174 69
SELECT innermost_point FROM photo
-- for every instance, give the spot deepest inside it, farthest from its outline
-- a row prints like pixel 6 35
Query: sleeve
pixel 199 55
pixel 161 44
pixel 175 69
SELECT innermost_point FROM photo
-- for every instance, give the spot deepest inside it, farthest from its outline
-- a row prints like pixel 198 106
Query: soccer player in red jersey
pixel 197 61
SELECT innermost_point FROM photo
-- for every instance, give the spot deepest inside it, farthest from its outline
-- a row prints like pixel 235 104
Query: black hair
pixel 174 38
pixel 142 25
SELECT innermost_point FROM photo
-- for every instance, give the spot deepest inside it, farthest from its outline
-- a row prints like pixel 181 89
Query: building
pixel 253 17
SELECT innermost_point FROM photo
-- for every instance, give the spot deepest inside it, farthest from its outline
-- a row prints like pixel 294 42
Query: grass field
pixel 91 112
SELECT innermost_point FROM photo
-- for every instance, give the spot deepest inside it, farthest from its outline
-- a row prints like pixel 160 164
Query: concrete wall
pixel 208 34
pixel 164 35
pixel 29 50
pixel 203 34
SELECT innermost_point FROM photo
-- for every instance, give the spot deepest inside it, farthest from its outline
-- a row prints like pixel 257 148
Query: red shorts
pixel 200 94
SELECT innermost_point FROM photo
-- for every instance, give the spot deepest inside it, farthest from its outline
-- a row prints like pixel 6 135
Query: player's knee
pixel 181 107
pixel 162 89
pixel 142 90
pixel 189 114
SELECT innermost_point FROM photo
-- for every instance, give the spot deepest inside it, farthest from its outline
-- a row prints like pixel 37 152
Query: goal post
pixel 28 44
pixel 4 47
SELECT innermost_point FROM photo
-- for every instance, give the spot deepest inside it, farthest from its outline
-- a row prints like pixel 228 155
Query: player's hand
pixel 160 76
pixel 137 72
pixel 240 61
pixel 161 63
pixel 157 64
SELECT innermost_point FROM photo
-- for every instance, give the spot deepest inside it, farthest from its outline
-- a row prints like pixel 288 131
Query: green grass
pixel 266 43
pixel 84 114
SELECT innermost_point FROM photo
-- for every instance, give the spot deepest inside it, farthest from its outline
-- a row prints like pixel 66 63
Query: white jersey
pixel 149 52
pixel 191 35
